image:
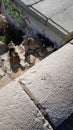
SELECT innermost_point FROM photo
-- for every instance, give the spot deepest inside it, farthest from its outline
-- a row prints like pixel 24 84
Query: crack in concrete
pixel 34 3
pixel 36 102
pixel 58 25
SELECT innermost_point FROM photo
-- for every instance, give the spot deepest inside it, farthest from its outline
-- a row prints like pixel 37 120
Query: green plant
pixel 12 34
pixel 15 13
pixel 3 38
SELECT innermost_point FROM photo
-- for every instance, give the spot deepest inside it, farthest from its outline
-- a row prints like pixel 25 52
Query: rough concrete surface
pixel 51 83
pixel 50 8
pixel 65 18
pixel 17 111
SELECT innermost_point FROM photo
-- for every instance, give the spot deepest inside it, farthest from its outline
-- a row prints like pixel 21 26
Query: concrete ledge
pixel 51 83
pixel 17 111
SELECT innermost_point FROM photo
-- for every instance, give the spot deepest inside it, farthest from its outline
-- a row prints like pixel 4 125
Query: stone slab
pixel 65 18
pixel 51 83
pixel 17 111
pixel 50 8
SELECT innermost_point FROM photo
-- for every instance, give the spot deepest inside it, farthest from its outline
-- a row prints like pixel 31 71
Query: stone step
pixel 51 83
pixel 18 112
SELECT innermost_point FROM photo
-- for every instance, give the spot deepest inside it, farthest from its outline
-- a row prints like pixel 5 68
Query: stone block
pixel 51 83
pixel 17 111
